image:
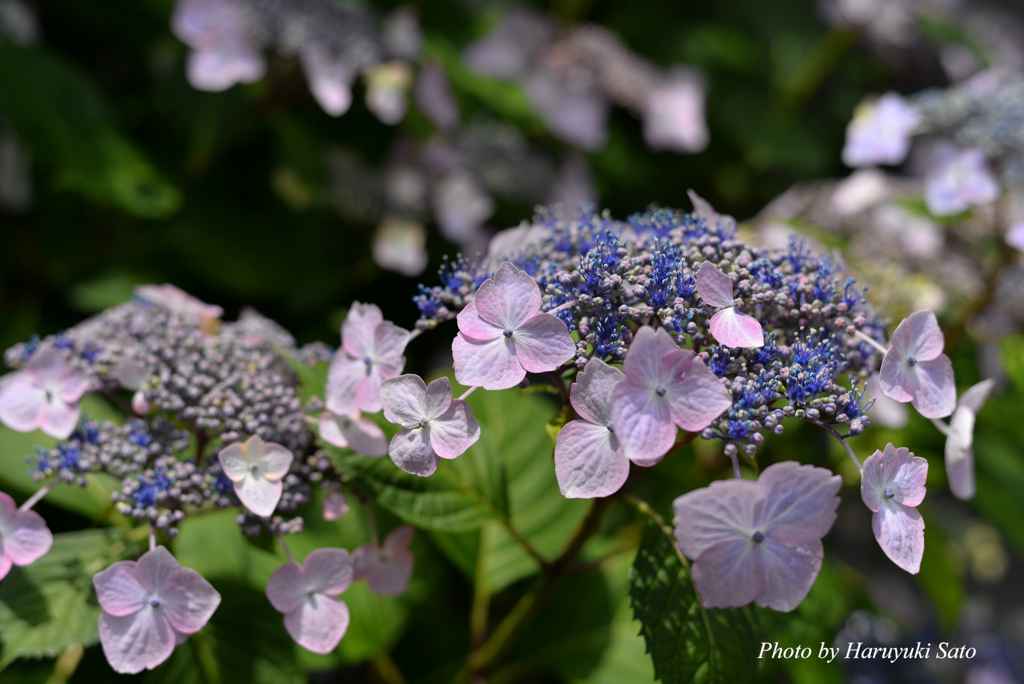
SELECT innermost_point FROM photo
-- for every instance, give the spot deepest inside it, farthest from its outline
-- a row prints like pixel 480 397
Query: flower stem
pixel 872 342
pixel 563 307
pixel 284 546
pixel 152 538
pixel 468 392
pixel 736 466
pixel 842 440
pixel 940 426
pixel 35 498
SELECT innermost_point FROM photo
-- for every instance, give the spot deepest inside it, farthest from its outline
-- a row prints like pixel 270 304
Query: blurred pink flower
pixel 149 606
pixel 43 395
pixel 330 79
pixel 461 207
pixel 914 368
pixel 1015 236
pixel 361 435
pixel 880 132
pixel 24 537
pixel 673 113
pixel 256 468
pixel 371 351
pixel 223 53
pixel 503 334
pixel 574 115
pixel 957 180
pixel 388 567
pixel 758 541
pixel 892 486
pixel 729 326
pixel 960 440
pixel 306 595
pixel 178 301
pixel 884 411
pixel 335 505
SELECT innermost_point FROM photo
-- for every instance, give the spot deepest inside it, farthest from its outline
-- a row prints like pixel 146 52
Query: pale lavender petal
pixel 5 565
pixel 735 329
pixel 363 436
pixel 714 286
pixel 259 494
pixel 410 450
pixel 957 180
pixel 392 577
pixel 643 364
pixel 897 470
pixel 286 588
pixel 509 299
pixel 975 397
pixel 217 70
pixel 343 378
pixel 461 206
pixel 117 590
pixel 724 511
pixel 896 378
pixel 471 325
pixel 491 364
pixel 899 530
pixel 591 394
pixel 234 462
pixel 698 399
pixel 673 113
pixel 643 423
pixel 275 461
pixel 335 505
pixel 389 342
pixel 136 642
pixel 880 133
pixel 398 540
pixel 25 537
pixel 1015 236
pixel 368 390
pixel 363 559
pixel 59 419
pixel 453 432
pixel 329 429
pixel 438 398
pixel 359 330
pixel 433 95
pixel 189 602
pixel 156 570
pixel 960 454
pixel 919 336
pixel 543 343
pixel 404 400
pixel 935 388
pixel 22 403
pixel 318 623
pixel 589 462
pixel 328 571
pixel 729 574
pixel 789 573
pixel 885 411
pixel 800 502
pixel 330 80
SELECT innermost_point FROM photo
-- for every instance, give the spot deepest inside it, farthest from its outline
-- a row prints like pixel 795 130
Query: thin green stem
pixel 386 669
pixel 842 440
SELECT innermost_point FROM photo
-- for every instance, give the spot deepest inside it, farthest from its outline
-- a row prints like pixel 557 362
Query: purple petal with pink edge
pixel 318 623
pixel 189 602
pixel 156 570
pixel 398 540
pixel 275 461
pixel 471 325
pixel 935 387
pixel 789 573
pixel 360 328
pixel 25 538
pixel 728 574
pixel 543 343
pixel 735 329
pixel 899 530
pixel 919 336
pixel 328 571
pixel 698 399
pixel 391 578
pixel 800 502
pixel 117 590
pixel 960 454
pixel 58 419
pixel 643 364
pixel 5 565
pixel 286 588
pixel 71 385
pixel 410 450
pixel 975 397
pixel 721 512
pixel 714 286
pixel 335 505
pixel 136 642
pixel 22 403
pixel 452 433
pixel 491 364
pixel 509 299
pixel 591 394
pixel 403 399
pixel 643 423
pixel 389 342
pixel 438 398
pixel 589 461
pixel 363 559
pixel 343 378
pixel 368 390
pixel 896 378
pixel 259 494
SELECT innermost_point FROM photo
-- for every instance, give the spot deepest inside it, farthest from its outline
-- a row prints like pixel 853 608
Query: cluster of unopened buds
pixel 666 321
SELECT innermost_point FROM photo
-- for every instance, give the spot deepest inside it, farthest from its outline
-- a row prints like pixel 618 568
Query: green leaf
pixel 1013 359
pixel 51 603
pixel 687 642
pixel 312 379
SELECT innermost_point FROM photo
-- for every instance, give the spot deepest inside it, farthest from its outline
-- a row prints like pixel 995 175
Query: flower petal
pixel 392 577
pixel 368 389
pixel 275 461
pixel 934 387
pixel 318 623
pixel 643 366
pixel 157 569
pixel 800 502
pixel 364 558
pixel 975 397
pixel 335 505
pixel 259 494
pixel 328 571
pixel 410 450
pixel 543 343
pixel 643 423
pixel 899 530
pixel 5 565
pixel 117 590
pixel 59 419
pixel 698 399
pixel 234 462
pixel 22 403
pixel 438 398
pixel 471 325
pixel 589 461
pixel 189 602
pixel 919 336
pixel 286 588
pixel 960 454
pixel 491 364
pixel 735 329
pixel 398 540
pixel 789 573
pixel 452 433
pixel 885 411
pixel 359 330
pixel 724 511
pixel 343 379
pixel 404 400
pixel 329 429
pixel 508 299
pixel 591 394
pixel 389 342
pixel 728 574
pixel 137 641
pixel 714 286
pixel 25 537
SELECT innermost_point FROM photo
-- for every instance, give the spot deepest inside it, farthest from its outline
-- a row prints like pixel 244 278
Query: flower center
pixel 911 361
pixel 368 361
pixel 254 468
pixel 661 391
pixel 423 423
pixel 889 493
pixel 507 333
pixel 155 602
pixel 49 397
pixel 611 429
pixel 757 537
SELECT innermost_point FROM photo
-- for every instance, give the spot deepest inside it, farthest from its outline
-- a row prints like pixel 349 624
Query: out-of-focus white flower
pixel 673 113
pixel 386 89
pixel 957 180
pixel 861 190
pixel 461 206
pixel 400 245
pixel 880 132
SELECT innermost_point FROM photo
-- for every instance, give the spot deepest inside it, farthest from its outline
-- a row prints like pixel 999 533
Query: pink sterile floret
pixel 256 469
pixel 371 351
pixel 434 426
pixel 960 440
pixel 957 180
pixel 178 301
pixel 43 395
pixel 729 326
pixel 892 486
pixel 361 435
pixel 880 133
pixel 24 537
pixel 664 386
pixel 306 595
pixel 149 606
pixel 387 567
pixel 335 505
pixel 502 333
pixel 915 369
pixel 758 541
pixel 589 459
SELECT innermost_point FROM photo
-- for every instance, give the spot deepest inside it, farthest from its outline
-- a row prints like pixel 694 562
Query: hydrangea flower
pixel 892 486
pixel 663 386
pixel 758 541
pixel 256 469
pixel 503 334
pixel 386 86
pixel 461 206
pixel 1015 236
pixel 673 113
pixel 400 245
pixel 306 593
pixel 729 326
pixel 884 411
pixel 880 133
pixel 361 435
pixel 387 568
pixel 371 351
pixel 24 537
pixel 914 368
pixel 223 53
pixel 178 301
pixel 330 79
pixel 589 459
pixel 149 606
pixel 957 180
pixel 960 440
pixel 43 395
pixel 434 426
pixel 335 505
